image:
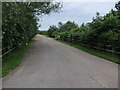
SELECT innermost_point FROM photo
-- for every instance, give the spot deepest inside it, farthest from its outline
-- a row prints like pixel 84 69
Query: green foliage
pixel 64 35
pixel 55 33
pixel 51 30
pixel 78 34
pixel 67 26
pixel 103 32
pixel 117 6
pixel 13 59
pixel 42 32
pixel 19 21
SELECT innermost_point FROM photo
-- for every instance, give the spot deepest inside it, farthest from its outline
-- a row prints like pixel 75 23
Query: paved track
pixel 51 64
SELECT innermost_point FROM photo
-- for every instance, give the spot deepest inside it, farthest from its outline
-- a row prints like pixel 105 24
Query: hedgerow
pixel 102 33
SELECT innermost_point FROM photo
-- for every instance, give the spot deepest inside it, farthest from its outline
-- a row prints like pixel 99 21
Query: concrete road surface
pixel 51 64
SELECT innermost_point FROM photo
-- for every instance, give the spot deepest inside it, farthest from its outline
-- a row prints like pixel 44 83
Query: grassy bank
pixel 13 59
pixel 103 54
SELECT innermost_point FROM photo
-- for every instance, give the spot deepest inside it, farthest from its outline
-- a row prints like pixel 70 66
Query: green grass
pixel 13 59
pixel 48 36
pixel 102 54
pixel 45 35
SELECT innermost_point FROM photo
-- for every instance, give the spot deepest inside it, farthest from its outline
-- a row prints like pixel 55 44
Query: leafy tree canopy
pixel 19 21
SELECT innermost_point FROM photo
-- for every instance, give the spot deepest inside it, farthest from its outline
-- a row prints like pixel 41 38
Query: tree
pixel 97 14
pixel 67 26
pixel 117 6
pixel 52 29
pixel 19 21
pixel 103 32
pixel 60 24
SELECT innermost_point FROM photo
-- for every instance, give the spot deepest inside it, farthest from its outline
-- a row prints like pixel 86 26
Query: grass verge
pixel 13 59
pixel 102 54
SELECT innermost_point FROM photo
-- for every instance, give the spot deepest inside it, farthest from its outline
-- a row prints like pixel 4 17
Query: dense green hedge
pixel 103 32
pixel 19 21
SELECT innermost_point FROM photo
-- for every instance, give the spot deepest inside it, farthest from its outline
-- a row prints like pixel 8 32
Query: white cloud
pixel 79 12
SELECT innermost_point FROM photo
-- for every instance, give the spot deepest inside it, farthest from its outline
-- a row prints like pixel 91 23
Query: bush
pixel 103 32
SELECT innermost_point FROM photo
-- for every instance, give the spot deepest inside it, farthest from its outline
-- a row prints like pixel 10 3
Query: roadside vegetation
pixel 19 26
pixel 100 37
pixel 13 59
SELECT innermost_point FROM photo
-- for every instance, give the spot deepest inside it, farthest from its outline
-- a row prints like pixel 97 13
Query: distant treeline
pixel 19 22
pixel 103 32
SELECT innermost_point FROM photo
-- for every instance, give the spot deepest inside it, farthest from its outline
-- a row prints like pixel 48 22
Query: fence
pixel 6 52
pixel 95 47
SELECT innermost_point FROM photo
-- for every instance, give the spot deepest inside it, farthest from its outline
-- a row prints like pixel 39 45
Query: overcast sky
pixel 80 12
